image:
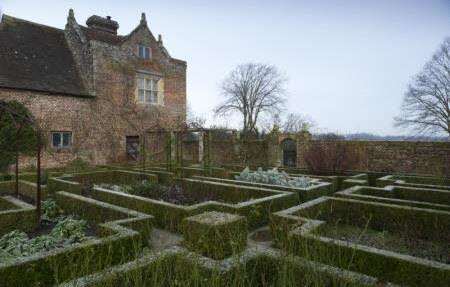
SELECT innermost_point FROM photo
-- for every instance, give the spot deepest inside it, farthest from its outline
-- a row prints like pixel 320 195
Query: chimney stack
pixel 103 24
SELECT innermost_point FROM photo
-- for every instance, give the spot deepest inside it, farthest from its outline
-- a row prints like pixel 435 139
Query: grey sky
pixel 348 62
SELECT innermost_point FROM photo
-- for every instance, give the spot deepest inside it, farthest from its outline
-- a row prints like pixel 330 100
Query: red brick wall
pixel 431 158
pixel 59 113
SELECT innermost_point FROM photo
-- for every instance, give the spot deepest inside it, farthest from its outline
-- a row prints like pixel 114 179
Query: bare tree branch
pixel 252 90
pixel 425 106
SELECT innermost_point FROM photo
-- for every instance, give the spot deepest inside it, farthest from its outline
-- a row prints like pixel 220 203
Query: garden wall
pixel 431 158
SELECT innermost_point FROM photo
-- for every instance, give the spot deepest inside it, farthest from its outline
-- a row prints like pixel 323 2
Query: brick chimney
pixel 103 24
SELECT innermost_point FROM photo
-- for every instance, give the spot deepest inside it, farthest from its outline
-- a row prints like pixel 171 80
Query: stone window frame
pixel 146 52
pixel 61 133
pixel 152 90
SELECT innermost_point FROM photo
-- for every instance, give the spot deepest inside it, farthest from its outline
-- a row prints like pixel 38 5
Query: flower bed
pixel 305 230
pixel 410 196
pixel 120 238
pixel 338 182
pixel 61 232
pixel 175 193
pixel 273 177
pixel 254 203
pixel 314 190
pixel 414 181
pixel 84 181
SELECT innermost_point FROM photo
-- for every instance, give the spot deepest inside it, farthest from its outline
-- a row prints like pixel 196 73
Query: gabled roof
pixel 37 57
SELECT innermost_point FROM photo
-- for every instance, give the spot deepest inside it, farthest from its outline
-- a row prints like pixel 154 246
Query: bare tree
pixel 295 123
pixel 425 106
pixel 193 120
pixel 252 90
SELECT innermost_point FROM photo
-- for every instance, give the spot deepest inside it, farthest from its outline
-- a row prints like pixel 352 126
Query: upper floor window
pixel 61 139
pixel 144 52
pixel 147 90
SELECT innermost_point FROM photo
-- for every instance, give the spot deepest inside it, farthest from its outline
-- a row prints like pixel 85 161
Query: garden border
pixel 403 181
pixel 356 192
pixel 118 243
pixel 297 234
pixel 169 216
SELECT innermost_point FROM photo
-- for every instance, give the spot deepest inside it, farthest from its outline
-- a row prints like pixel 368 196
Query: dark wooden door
pixel 289 147
pixel 132 147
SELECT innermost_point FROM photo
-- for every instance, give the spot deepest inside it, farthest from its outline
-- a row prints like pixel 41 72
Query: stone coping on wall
pixel 410 196
pixel 414 181
pixel 224 269
pixel 119 237
pixel 304 238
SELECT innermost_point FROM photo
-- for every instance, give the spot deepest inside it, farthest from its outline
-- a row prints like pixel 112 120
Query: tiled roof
pixel 37 57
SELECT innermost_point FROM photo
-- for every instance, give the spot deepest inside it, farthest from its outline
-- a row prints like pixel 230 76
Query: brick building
pixel 92 91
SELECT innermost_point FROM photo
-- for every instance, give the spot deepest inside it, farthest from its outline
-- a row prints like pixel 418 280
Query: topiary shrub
pixel 215 234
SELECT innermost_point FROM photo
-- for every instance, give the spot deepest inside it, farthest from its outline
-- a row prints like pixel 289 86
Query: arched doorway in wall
pixel 289 147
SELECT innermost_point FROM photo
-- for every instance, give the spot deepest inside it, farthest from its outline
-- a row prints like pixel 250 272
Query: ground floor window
pixel 61 139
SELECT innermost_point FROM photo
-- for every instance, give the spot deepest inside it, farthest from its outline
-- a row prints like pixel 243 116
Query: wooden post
pixel 143 153
pixel 181 149
pixel 17 162
pixel 17 173
pixel 168 136
pixel 38 182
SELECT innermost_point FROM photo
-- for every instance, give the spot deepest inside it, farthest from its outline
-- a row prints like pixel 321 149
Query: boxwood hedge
pixel 298 230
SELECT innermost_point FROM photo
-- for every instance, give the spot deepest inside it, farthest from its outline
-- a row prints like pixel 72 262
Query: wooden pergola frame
pixel 174 138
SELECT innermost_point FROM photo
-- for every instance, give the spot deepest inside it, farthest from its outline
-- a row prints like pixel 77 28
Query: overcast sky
pixel 348 62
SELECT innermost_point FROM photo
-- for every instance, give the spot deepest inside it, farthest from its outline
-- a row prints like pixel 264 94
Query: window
pixel 144 52
pixel 61 139
pixel 147 90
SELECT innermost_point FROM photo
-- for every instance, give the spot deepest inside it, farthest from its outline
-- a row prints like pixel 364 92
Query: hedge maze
pixel 190 226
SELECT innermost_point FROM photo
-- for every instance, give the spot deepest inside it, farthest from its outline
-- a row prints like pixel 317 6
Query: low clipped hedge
pixel 409 196
pixel 116 244
pixel 254 267
pixel 198 171
pixel 164 177
pixel 5 204
pixel 215 234
pixel 81 181
pixel 298 230
pixel 15 211
pixel 414 181
pixel 316 190
pixel 255 204
pixel 26 189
